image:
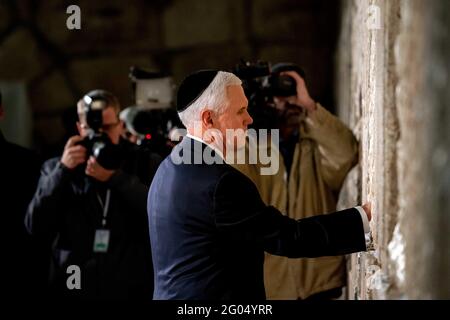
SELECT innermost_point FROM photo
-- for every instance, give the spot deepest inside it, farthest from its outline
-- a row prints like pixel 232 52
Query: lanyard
pixel 105 206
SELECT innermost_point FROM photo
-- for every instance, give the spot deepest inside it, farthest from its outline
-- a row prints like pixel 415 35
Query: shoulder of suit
pixel 235 176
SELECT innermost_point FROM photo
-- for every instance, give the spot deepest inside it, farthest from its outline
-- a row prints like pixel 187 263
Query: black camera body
pixel 261 84
pixel 97 143
pixel 260 77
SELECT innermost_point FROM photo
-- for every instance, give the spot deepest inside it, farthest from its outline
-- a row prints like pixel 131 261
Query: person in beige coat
pixel 316 152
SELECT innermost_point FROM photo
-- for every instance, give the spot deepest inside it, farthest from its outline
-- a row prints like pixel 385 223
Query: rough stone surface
pixel 20 57
pixel 425 222
pixel 390 91
pixel 44 97
pixel 103 25
pixel 108 73
pixel 221 57
pixel 48 130
pixel 437 48
pixel 192 22
pixel 312 60
pixel 5 19
pixel 284 20
pixel 175 36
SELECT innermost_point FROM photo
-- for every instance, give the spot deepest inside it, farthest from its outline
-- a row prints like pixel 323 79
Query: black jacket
pixel 209 230
pixel 23 258
pixel 65 209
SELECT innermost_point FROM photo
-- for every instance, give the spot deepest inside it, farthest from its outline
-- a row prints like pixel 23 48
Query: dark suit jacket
pixel 209 230
pixel 24 257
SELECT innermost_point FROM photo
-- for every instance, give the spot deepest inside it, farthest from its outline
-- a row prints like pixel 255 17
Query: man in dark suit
pixel 209 227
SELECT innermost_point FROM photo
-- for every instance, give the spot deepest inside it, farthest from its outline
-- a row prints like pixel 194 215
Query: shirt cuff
pixel 364 218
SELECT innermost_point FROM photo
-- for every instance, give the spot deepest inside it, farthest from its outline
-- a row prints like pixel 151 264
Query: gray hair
pixel 213 98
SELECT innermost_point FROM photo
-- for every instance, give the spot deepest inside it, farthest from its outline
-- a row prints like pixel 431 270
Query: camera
pixel 153 116
pixel 262 82
pixel 97 143
pixel 149 127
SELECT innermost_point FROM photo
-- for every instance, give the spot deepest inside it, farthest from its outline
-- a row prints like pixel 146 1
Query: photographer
pixel 316 152
pixel 91 203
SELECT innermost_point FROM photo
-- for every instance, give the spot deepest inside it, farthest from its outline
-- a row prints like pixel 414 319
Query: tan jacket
pixel 326 151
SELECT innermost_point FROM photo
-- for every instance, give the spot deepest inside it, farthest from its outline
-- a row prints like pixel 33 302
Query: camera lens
pixel 283 86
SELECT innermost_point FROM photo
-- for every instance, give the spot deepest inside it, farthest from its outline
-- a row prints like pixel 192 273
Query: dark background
pixel 56 66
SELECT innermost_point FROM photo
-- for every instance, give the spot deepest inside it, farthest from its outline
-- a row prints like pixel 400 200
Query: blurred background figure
pixel 25 259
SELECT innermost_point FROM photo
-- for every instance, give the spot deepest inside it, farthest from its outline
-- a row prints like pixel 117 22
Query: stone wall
pixel 392 82
pixel 59 65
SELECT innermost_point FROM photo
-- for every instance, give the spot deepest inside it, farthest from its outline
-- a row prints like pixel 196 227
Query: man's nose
pixel 249 120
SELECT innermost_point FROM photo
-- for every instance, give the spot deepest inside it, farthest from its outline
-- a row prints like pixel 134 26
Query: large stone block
pixel 21 57
pixel 51 93
pixel 49 130
pixel 193 22
pixel 315 63
pixel 284 20
pixel 109 73
pixel 112 26
pixel 5 16
pixel 221 57
pixel 309 58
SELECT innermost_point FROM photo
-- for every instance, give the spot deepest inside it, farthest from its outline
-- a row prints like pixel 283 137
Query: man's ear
pixel 207 120
pixel 2 112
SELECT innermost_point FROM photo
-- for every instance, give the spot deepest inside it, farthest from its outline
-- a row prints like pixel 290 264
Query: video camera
pixel 261 83
pixel 96 142
pixel 154 115
pixel 151 127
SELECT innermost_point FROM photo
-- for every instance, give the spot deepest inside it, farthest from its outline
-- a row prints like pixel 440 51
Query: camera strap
pixel 105 206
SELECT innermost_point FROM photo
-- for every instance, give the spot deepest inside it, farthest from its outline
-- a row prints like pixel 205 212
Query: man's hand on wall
pixel 368 209
pixel 302 99
pixel 96 171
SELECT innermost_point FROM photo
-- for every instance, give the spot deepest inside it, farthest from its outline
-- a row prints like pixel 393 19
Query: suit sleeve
pixel 133 185
pixel 49 200
pixel 131 190
pixel 241 215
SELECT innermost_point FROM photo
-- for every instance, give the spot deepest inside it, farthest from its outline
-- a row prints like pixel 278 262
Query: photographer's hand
pixel 302 99
pixel 96 171
pixel 73 154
